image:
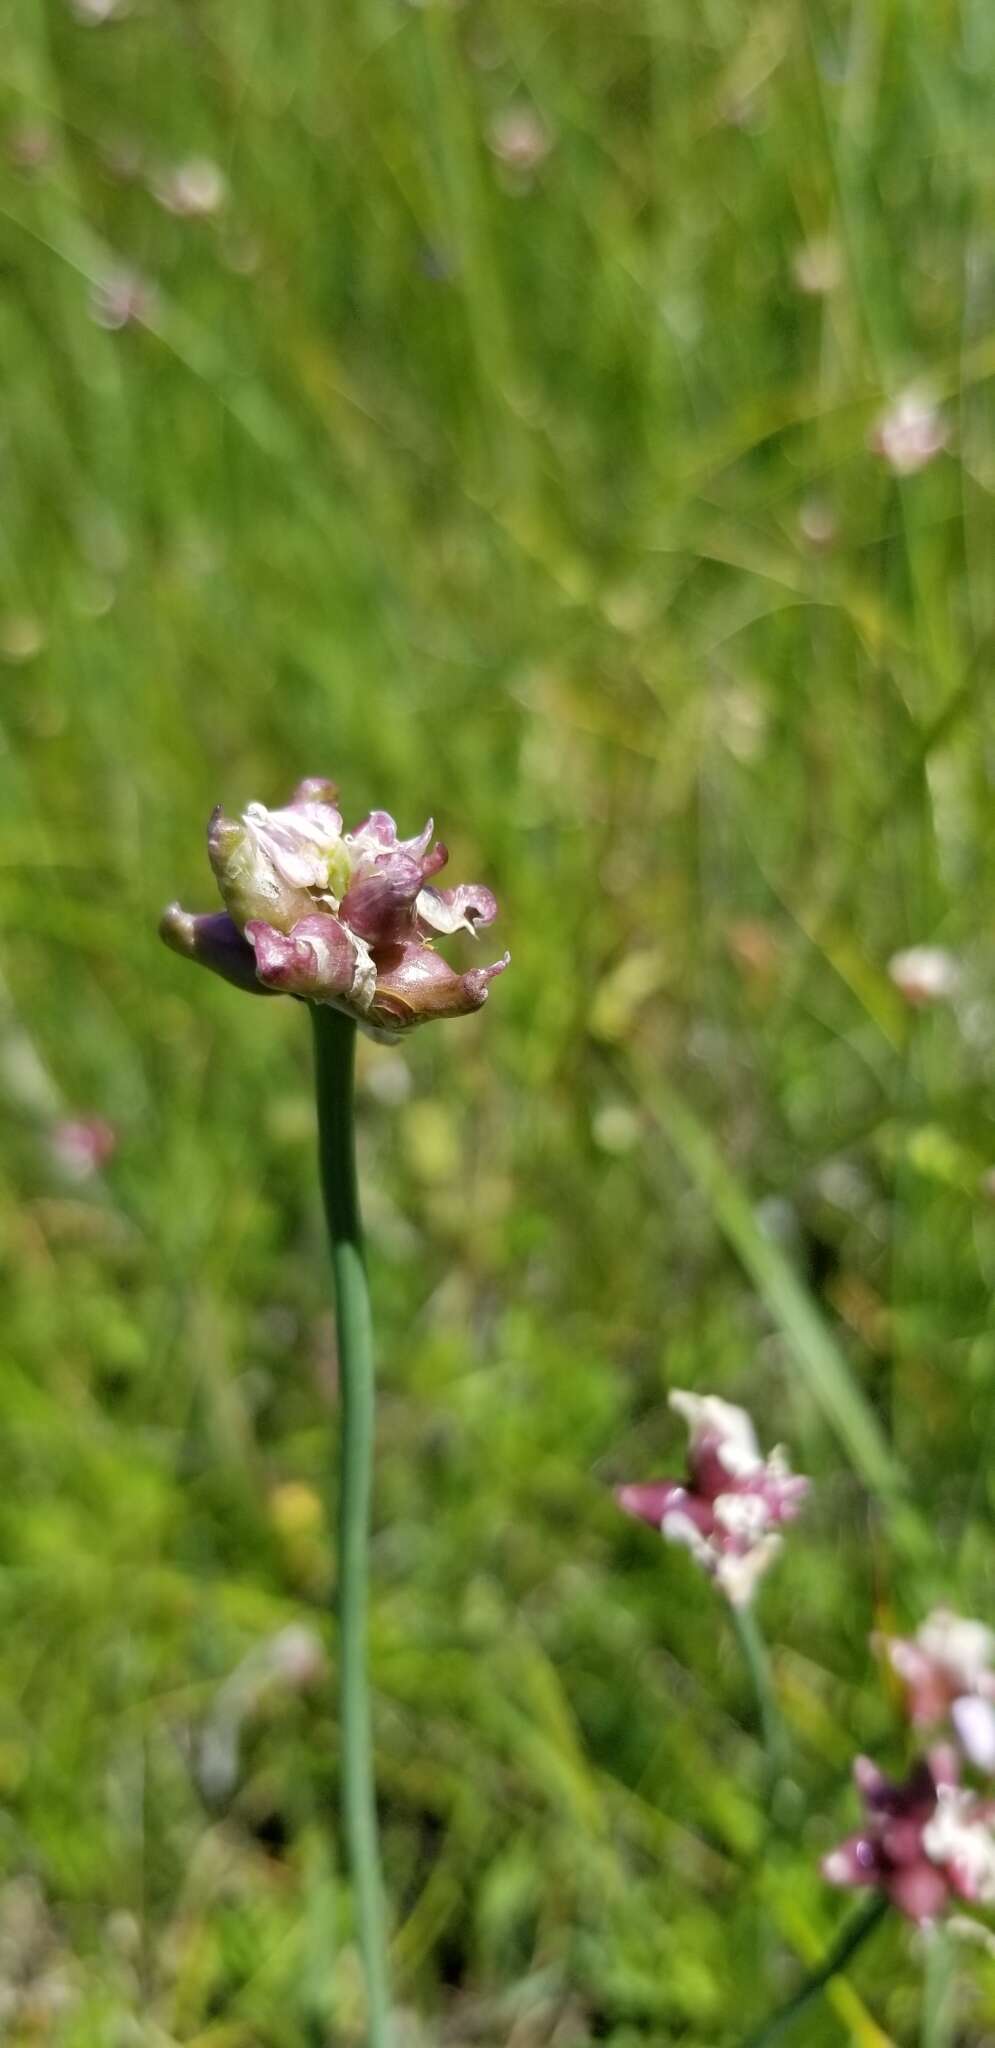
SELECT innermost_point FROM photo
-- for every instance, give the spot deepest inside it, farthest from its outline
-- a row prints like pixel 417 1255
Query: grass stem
pixel 757 1660
pixel 937 1985
pixel 334 1045
pixel 851 1939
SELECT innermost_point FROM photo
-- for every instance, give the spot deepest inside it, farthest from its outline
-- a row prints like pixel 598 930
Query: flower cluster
pixel 926 1842
pixel 946 1673
pixel 730 1509
pixel 930 1841
pixel 345 918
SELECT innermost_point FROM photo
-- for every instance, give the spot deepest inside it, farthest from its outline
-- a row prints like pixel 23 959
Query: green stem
pixel 755 1656
pixel 334 1050
pixel 851 1939
pixel 937 1985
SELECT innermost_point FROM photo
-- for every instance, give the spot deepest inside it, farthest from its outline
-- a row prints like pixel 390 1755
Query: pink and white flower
pixel 926 1842
pixel 910 433
pixel 925 974
pixel 947 1675
pixel 344 918
pixel 81 1145
pixel 730 1510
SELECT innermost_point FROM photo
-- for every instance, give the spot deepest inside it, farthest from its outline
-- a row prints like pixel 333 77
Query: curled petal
pixel 914 1797
pixel 378 834
pixel 963 1648
pixel 974 1726
pixel 783 1492
pixel 319 959
pixel 853 1862
pixel 379 906
pixel 315 789
pixel 213 940
pixel 918 1890
pixel 651 1502
pixel 737 1571
pixel 870 1780
pixel 901 1840
pixel 270 865
pixel 456 910
pixel 414 985
pixel 959 1839
pixel 723 1442
pixel 376 831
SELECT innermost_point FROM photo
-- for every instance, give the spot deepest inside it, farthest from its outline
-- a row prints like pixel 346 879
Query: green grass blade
pixel 822 1363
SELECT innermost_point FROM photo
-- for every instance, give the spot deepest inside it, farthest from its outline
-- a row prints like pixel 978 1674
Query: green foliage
pixel 537 494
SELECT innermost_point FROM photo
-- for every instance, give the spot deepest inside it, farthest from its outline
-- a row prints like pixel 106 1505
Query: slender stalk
pixel 757 1661
pixel 334 1050
pixel 851 1939
pixel 937 1987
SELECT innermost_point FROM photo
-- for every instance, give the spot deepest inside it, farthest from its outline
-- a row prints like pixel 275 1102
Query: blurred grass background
pixel 472 403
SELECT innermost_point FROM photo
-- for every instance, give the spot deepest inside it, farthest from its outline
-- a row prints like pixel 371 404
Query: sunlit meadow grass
pixel 488 448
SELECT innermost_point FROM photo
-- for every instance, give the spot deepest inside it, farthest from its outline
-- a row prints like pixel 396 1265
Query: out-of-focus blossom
pixel 818 266
pixel 925 974
pixel 910 433
pixel 291 1661
pixel 755 948
pixel 241 253
pixel 519 139
pixel 30 147
pixel 81 1145
pixel 946 1671
pixel 93 13
pixel 439 264
pixel 37 1977
pixel 730 1510
pixel 122 156
pixel 344 918
pixel 122 299
pixel 22 636
pixel 925 1842
pixel 193 189
pixel 817 524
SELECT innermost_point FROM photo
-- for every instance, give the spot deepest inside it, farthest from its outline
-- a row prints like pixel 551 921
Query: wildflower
pixel 925 1842
pixel 344 918
pixel 122 156
pixel 122 299
pixel 730 1512
pixel 22 637
pixel 817 266
pixel 924 974
pixel 81 1145
pixel 291 1661
pixel 519 140
pixel 909 434
pixel 193 189
pixel 30 147
pixel 94 12
pixel 946 1671
pixel 817 523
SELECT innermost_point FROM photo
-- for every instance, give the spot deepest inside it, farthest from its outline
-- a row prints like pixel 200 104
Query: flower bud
pixel 414 985
pixel 456 910
pixel 337 917
pixel 320 959
pixel 279 866
pixel 215 942
pixel 925 1842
